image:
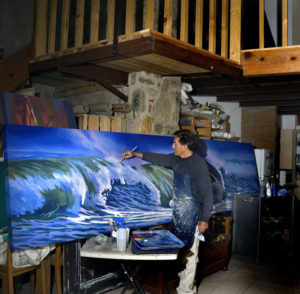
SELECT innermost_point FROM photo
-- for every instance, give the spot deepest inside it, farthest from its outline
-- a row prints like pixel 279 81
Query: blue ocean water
pixel 62 199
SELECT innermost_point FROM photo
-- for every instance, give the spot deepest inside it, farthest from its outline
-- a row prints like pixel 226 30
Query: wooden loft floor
pixel 265 77
pixel 148 51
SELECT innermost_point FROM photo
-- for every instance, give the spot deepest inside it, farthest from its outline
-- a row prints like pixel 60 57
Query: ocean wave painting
pixel 67 184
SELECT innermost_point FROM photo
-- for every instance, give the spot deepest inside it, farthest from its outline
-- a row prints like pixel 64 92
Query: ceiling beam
pixel 96 72
pixel 288 110
pixel 287 103
pixel 100 75
pixel 259 97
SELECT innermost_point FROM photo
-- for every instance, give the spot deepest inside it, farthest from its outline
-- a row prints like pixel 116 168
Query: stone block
pixel 146 125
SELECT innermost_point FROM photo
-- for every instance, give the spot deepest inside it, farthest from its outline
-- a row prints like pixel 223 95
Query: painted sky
pixel 59 142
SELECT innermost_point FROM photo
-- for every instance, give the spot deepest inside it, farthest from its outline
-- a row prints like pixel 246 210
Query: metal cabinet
pixel 246 225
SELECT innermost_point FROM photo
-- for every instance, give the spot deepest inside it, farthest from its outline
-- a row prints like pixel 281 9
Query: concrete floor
pixel 242 277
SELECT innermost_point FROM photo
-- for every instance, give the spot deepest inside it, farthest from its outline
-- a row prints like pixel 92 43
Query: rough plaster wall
pixel 16 22
pixel 155 101
pixel 103 96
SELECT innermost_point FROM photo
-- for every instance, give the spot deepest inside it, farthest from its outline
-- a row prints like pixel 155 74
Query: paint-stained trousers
pixel 187 276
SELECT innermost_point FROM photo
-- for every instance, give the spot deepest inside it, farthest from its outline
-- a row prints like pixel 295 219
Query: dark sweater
pixel 197 168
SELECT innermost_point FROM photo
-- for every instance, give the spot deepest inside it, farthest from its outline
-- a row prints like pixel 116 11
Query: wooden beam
pixel 89 72
pixel 93 54
pixel 149 14
pixel 184 20
pixel 284 22
pixel 235 30
pixel 212 26
pixel 95 72
pixel 271 96
pixel 64 25
pixel 168 18
pixel 271 61
pixel 285 110
pixel 40 39
pixel 199 24
pixel 224 29
pixel 79 23
pixel 1 54
pixel 261 23
pixel 52 26
pixel 287 103
pixel 129 19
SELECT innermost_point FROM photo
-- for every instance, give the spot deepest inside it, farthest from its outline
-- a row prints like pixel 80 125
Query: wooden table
pixel 110 251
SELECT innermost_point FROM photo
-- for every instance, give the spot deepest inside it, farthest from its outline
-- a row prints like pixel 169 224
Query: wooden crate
pixel 99 122
pixel 203 128
pixel 191 122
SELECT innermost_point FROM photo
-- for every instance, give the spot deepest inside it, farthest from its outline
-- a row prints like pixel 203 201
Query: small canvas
pixel 67 184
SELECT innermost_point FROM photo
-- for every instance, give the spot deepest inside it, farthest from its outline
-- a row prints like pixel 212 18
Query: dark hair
pixel 186 137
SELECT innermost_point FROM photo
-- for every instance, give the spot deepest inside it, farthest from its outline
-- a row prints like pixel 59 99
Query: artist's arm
pixel 166 160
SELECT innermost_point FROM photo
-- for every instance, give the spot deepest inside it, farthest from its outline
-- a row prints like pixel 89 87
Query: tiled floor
pixel 244 276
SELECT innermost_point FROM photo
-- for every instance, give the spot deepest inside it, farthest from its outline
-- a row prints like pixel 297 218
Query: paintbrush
pixel 133 149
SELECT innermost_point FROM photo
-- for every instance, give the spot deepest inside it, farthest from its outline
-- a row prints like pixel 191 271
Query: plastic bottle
pixel 122 237
pixel 268 189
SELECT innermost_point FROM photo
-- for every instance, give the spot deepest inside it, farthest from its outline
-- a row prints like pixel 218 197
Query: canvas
pixel 35 111
pixel 66 184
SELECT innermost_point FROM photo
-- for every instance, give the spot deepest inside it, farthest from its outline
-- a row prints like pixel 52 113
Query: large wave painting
pixel 67 184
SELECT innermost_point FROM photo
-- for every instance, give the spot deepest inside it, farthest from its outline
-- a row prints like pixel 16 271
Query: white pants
pixel 187 276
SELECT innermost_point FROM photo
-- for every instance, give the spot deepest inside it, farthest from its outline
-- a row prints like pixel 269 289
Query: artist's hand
pixel 202 227
pixel 127 154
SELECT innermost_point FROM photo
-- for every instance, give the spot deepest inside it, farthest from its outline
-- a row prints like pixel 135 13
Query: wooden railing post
pixel 184 20
pixel 65 24
pixel 224 29
pixel 199 23
pixel 41 10
pixel 212 25
pixel 261 23
pixel 168 18
pixel 129 20
pixel 79 23
pixel 235 30
pixel 284 22
pixel 52 26
pixel 110 20
pixel 149 14
pixel 94 26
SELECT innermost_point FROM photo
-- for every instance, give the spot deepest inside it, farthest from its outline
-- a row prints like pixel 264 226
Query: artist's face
pixel 179 149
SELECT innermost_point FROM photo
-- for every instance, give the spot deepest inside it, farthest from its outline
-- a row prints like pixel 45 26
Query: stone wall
pixel 155 101
pixel 260 127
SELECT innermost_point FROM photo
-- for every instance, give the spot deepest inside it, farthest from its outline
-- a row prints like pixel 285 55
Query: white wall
pixel 230 108
pixel 288 122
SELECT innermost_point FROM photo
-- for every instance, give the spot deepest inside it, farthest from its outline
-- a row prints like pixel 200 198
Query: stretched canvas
pixel 66 184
